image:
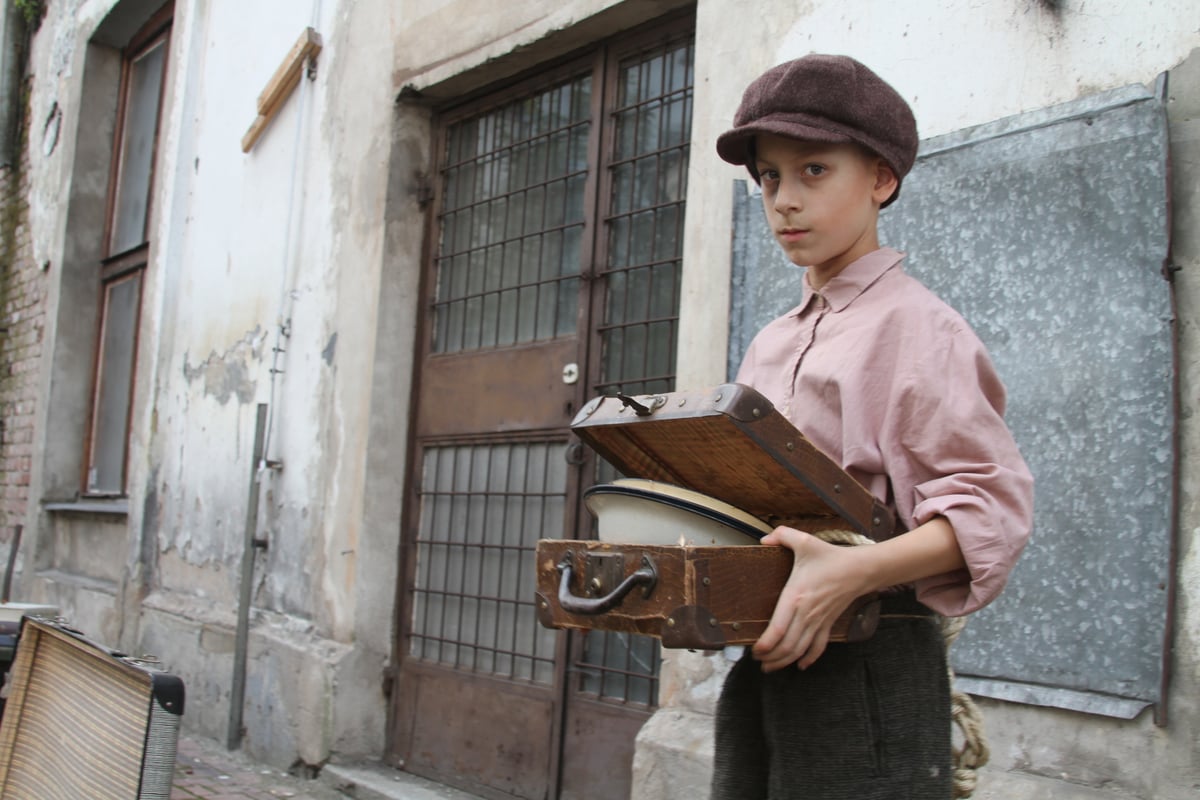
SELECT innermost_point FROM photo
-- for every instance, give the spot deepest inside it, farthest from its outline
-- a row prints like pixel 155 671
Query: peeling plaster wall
pixel 262 288
pixel 68 560
pixel 273 279
pixel 267 295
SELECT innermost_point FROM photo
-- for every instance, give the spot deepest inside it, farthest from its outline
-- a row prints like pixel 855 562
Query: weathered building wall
pixel 22 292
pixel 267 294
pixel 261 288
pixel 311 243
pixel 273 279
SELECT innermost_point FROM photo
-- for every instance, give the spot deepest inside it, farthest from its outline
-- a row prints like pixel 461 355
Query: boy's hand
pixel 823 583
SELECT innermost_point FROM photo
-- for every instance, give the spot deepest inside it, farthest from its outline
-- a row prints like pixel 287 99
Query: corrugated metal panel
pixel 1049 232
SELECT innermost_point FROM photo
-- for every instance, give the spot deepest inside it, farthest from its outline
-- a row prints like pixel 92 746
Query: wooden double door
pixel 553 276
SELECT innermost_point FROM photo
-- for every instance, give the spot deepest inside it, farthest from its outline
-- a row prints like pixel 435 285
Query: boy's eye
pixel 768 174
pixel 814 169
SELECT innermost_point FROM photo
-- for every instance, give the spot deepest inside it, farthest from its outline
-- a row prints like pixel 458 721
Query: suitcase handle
pixel 646 576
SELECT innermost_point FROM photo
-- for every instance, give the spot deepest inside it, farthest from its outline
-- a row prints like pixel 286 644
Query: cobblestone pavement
pixel 206 771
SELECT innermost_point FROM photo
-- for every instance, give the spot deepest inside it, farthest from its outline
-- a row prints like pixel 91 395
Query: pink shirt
pixel 892 383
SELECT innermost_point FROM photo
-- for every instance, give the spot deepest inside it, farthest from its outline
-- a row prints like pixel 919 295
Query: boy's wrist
pixel 872 570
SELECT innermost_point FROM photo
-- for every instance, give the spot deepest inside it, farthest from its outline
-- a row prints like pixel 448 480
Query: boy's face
pixel 822 201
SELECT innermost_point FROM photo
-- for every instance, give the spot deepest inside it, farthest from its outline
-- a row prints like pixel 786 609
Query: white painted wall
pixel 279 247
pixel 292 231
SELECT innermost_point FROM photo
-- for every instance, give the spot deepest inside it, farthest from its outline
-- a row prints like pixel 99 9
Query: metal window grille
pixel 514 214
pixel 482 508
pixel 512 222
pixel 652 127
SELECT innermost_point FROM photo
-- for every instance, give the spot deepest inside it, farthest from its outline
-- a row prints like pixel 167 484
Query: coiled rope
pixel 974 752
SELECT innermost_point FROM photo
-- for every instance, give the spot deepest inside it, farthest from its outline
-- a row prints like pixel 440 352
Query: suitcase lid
pixel 732 444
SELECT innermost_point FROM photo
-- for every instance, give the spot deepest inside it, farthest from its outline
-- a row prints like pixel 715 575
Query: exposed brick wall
pixel 22 319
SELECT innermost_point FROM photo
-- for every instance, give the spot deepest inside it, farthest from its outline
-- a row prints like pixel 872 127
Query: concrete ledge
pixel 374 781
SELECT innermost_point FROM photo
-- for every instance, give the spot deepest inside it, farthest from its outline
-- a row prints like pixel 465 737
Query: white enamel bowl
pixel 637 511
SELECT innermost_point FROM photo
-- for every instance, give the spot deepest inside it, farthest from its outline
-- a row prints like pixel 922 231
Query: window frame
pixel 129 263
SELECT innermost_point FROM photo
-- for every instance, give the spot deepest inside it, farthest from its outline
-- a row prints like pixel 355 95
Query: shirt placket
pixel 808 320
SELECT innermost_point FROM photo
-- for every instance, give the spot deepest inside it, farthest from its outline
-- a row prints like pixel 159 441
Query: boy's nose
pixel 788 197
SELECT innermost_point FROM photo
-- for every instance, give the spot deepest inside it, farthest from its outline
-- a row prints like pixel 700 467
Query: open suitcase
pixel 732 445
pixel 83 721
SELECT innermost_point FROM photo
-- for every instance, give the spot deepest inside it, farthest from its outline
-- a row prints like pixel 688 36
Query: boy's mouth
pixel 791 234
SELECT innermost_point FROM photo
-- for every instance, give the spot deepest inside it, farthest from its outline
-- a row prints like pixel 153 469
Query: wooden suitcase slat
pixel 83 721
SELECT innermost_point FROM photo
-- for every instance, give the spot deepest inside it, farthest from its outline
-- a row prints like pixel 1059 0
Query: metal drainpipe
pixel 250 544
pixel 1169 271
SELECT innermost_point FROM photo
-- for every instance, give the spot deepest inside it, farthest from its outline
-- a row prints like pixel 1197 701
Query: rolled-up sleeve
pixel 952 455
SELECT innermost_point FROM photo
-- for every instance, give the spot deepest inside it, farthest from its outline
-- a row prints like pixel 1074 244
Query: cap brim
pixel 733 145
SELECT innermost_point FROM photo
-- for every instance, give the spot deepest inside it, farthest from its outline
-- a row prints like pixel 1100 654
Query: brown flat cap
pixel 824 98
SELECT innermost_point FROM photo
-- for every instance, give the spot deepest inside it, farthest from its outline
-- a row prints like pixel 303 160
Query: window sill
pixel 114 506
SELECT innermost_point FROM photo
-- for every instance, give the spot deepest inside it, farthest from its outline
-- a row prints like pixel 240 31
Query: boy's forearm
pixel 927 550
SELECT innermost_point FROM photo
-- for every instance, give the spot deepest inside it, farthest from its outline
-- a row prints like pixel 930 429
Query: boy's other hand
pixel 823 583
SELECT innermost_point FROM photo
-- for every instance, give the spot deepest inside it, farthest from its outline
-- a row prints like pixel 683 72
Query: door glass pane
pixel 513 213
pixel 114 386
pixel 137 149
pixel 483 508
pixel 652 124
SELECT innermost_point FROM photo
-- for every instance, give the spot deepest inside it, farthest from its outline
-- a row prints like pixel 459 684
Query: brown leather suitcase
pixel 731 444
pixel 84 721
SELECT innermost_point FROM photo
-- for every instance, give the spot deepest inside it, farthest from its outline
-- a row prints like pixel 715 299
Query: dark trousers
pixel 867 721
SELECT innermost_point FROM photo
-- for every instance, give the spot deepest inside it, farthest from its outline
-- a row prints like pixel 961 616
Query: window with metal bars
pixel 472 606
pixel 651 126
pixel 513 221
pixel 516 224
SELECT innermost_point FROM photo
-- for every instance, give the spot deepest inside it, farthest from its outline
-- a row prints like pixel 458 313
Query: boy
pixel 891 383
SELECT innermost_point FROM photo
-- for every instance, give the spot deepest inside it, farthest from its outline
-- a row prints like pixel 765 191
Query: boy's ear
pixel 886 182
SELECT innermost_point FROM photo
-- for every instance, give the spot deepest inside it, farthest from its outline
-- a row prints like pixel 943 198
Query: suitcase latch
pixel 641 409
pixel 602 572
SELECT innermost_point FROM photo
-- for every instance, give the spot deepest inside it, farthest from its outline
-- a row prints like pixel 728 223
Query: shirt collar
pixel 856 278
